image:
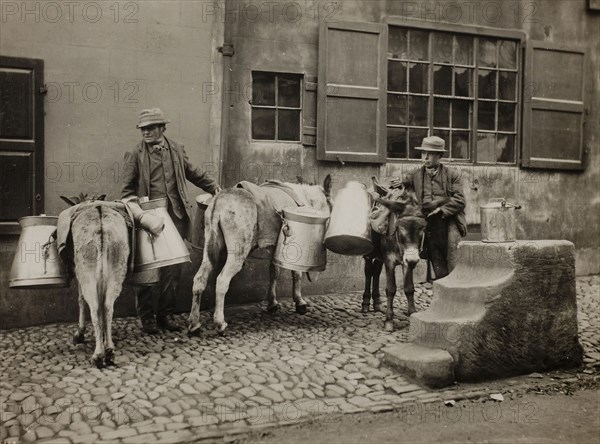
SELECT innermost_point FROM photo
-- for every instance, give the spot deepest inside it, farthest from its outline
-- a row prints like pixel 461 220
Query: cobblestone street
pixel 267 370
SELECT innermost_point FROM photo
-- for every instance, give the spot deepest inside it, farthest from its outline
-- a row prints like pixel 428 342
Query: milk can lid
pixel 305 214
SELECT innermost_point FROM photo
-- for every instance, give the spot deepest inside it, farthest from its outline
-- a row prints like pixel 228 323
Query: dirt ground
pixel 547 417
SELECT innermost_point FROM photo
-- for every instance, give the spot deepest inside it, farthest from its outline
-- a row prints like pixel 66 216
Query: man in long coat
pixel 158 168
pixel 438 189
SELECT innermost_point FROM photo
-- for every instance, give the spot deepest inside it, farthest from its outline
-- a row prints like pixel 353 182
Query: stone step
pixel 431 367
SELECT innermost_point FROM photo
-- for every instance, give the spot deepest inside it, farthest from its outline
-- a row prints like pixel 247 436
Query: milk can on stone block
pixel 349 230
pixel 498 222
pixel 168 248
pixel 36 263
pixel 300 243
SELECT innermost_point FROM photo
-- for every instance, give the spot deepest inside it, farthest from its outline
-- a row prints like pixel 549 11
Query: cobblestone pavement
pixel 268 370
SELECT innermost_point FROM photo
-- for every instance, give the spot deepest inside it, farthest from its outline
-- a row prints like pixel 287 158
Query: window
pixel 460 87
pixel 276 106
pixel 407 79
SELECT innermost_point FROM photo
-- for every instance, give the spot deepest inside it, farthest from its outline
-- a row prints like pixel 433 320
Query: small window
pixel 276 106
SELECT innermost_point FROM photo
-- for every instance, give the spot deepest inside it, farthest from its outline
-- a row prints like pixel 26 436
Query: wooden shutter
pixel 352 92
pixel 553 107
pixel 21 141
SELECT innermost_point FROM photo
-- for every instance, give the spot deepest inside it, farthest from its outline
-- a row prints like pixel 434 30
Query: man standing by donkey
pixel 158 168
pixel 438 189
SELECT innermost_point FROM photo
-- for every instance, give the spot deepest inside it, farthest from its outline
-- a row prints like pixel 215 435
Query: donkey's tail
pixel 214 242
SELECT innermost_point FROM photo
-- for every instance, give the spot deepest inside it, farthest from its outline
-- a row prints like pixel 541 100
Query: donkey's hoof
pixel 410 311
pixel 194 332
pixel 377 308
pixel 97 361
pixel 364 308
pixel 221 329
pixel 109 358
pixel 78 338
pixel 389 326
pixel 273 308
pixel 302 309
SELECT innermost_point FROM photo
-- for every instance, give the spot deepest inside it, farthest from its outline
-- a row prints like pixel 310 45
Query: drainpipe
pixel 227 51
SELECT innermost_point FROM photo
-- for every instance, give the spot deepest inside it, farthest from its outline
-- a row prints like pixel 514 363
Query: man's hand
pixel 436 211
pixel 218 189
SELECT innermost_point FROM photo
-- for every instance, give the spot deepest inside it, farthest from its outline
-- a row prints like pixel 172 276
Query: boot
pixel 165 323
pixel 149 326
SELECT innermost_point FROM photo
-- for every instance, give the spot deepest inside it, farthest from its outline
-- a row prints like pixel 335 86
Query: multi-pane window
pixel 460 87
pixel 276 106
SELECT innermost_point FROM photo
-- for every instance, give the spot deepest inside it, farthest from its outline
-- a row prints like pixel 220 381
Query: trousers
pixel 441 243
pixel 161 298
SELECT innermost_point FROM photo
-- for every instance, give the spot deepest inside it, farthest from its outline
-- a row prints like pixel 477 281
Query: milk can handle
pixel 287 232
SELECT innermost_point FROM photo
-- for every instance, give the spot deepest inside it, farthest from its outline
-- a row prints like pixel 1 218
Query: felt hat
pixel 153 116
pixel 432 144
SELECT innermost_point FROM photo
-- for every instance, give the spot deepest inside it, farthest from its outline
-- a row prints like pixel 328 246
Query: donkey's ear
pixel 300 179
pixel 101 197
pixel 381 190
pixel 327 185
pixel 70 200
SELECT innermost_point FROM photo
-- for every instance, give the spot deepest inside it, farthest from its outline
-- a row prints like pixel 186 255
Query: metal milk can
pixel 498 222
pixel 168 248
pixel 349 230
pixel 36 263
pixel 300 243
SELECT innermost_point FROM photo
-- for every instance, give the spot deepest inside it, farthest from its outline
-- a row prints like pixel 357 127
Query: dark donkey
pixel 401 221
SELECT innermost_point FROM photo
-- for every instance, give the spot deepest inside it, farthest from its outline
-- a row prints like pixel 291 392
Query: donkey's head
pixel 405 222
pixel 316 196
pixel 83 197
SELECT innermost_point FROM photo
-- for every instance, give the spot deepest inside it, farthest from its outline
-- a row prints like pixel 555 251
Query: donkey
pixel 233 229
pixel 99 255
pixel 402 229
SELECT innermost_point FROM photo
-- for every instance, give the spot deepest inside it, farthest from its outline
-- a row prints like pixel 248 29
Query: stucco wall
pixel 104 62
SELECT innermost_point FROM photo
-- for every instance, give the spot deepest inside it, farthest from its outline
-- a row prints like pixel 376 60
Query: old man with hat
pixel 158 167
pixel 438 189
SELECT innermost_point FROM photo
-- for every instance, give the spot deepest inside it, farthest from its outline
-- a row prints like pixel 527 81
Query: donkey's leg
pixel 390 292
pixel 366 298
pixel 409 288
pixel 90 294
pixel 301 305
pixel 112 293
pixel 272 304
pixel 377 267
pixel 198 287
pixel 231 268
pixel 79 336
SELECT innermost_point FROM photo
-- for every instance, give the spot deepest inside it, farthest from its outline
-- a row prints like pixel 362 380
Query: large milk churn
pixel 498 222
pixel 168 248
pixel 300 244
pixel 349 230
pixel 36 263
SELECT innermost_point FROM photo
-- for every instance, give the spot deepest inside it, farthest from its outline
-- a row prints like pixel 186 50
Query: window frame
pixel 277 73
pixel 477 32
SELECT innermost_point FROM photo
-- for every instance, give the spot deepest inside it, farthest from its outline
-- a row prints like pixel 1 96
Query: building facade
pixel 275 90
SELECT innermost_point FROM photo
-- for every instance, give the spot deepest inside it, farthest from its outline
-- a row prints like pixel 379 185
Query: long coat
pixel 454 209
pixel 136 176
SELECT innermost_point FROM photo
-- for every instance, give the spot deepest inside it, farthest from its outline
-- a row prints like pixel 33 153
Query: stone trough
pixel 506 309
